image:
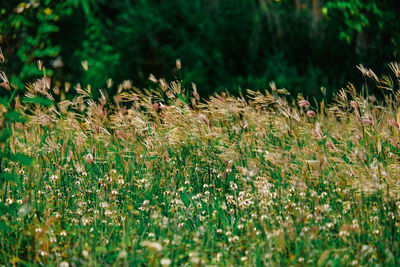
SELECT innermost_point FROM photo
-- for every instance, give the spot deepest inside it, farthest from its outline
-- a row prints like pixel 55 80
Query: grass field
pixel 161 177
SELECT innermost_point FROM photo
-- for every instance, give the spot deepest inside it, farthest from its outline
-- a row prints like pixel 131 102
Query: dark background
pixel 230 45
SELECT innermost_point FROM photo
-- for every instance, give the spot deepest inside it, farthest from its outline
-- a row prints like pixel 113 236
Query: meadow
pixel 164 177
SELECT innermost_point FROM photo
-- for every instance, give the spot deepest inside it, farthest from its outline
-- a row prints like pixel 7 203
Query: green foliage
pixel 27 29
pixel 38 100
pixel 9 117
pixel 5 177
pixel 21 158
pixel 99 52
pixel 353 16
pixel 5 134
pixel 14 116
pixel 223 45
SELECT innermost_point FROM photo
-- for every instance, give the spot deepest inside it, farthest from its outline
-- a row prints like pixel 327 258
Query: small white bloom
pixel 63 264
pixel 165 262
pixel 85 253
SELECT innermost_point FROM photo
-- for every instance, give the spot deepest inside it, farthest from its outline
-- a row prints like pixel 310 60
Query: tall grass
pixel 162 177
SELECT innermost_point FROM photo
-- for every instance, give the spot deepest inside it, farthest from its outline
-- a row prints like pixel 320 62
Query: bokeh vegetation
pixel 232 45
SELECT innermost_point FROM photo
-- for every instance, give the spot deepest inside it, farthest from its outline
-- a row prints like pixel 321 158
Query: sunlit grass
pixel 161 178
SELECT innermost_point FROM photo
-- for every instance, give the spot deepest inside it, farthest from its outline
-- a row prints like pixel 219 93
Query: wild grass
pixel 161 177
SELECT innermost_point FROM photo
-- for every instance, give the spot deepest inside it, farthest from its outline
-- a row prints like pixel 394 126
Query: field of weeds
pixel 163 177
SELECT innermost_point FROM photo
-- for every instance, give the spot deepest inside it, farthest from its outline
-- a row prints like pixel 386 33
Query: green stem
pixel 12 96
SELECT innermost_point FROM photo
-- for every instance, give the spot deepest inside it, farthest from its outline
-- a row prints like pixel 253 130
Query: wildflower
pixel 53 178
pixel 152 245
pixel 85 254
pixel 89 158
pixel 156 106
pixel 5 85
pixel 196 260
pixel 42 253
pixel 85 221
pixel 108 213
pixel 122 254
pixel 343 233
pixel 63 264
pixel 326 208
pixel 304 103
pixel 229 198
pixel 234 186
pixel 310 113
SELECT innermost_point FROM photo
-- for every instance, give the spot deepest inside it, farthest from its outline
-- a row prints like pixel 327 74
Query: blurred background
pixel 231 45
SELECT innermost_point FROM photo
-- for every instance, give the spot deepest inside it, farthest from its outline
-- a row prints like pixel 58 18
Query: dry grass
pixel 158 177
